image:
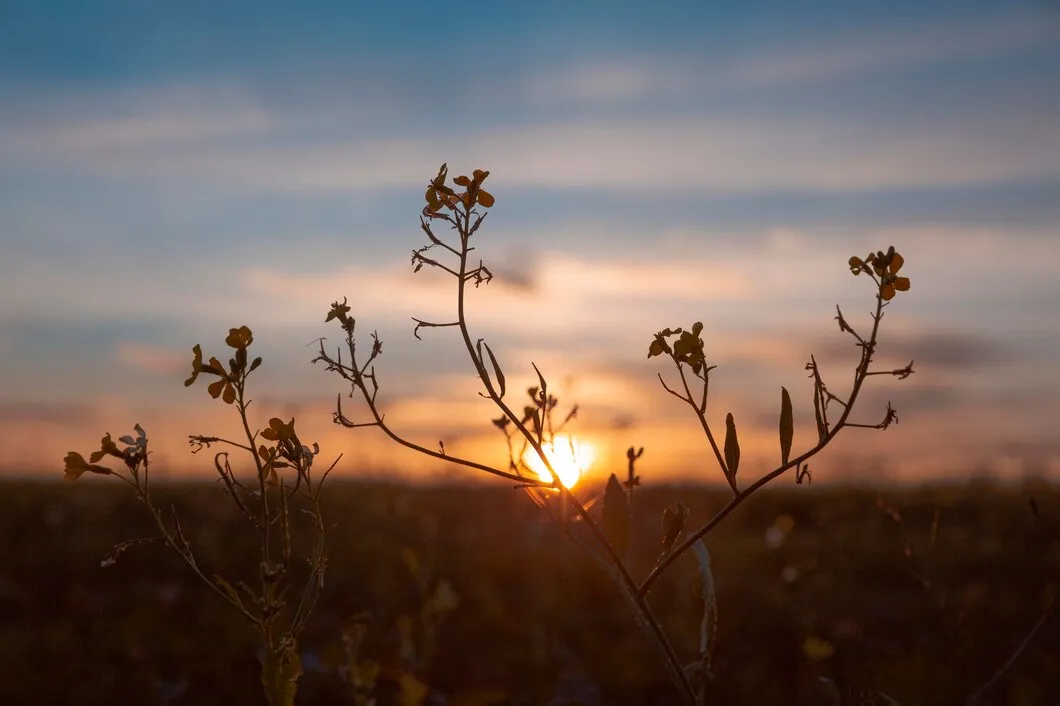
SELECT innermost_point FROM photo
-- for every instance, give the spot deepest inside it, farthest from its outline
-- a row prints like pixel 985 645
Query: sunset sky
pixel 167 175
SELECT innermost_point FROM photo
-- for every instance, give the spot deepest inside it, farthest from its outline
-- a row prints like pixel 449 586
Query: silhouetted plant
pixel 283 482
pixel 531 427
pixel 284 479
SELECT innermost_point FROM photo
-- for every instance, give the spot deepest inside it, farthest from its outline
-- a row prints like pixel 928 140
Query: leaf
pixel 732 446
pixel 674 519
pixel 229 590
pixel 496 369
pixel 708 626
pixel 279 676
pixel 821 430
pixel 541 379
pixel 787 425
pixel 616 515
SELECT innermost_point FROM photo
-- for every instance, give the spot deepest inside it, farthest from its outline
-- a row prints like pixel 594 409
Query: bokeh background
pixel 166 174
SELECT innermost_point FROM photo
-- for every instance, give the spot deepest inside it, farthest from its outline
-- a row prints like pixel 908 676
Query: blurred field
pixel 838 587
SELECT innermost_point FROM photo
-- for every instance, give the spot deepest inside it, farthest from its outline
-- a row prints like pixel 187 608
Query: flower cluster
pixel 440 196
pixel 687 349
pixel 885 266
pixel 225 387
pixel 132 455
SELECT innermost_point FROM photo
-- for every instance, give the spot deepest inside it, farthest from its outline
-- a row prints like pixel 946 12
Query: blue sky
pixel 167 174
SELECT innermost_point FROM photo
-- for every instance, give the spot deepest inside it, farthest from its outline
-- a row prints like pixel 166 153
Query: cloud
pixel 621 78
pixel 642 157
pixel 45 413
pixel 246 138
pixel 126 120
pixel 153 358
pixel 890 49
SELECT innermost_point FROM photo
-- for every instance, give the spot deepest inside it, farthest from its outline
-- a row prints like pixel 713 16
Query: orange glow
pixel 569 457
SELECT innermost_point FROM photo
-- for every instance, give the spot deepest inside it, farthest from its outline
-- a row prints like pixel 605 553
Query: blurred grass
pixel 535 621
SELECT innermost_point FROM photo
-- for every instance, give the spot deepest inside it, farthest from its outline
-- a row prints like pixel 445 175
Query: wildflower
pixel 76 465
pixel 886 267
pixel 239 338
pixel 279 430
pixel 197 366
pixel 475 193
pixel 688 348
pixel 140 442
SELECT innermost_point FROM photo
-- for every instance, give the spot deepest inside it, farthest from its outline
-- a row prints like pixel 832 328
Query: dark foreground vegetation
pixel 471 596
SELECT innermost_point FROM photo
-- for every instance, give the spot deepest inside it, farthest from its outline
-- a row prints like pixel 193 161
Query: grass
pixel 849 593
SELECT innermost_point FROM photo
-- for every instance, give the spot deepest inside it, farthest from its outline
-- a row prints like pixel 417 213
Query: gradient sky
pixel 168 174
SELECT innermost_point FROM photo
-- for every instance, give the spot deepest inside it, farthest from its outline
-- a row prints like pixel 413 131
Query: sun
pixel 568 456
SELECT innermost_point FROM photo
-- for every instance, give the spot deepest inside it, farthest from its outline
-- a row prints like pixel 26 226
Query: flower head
pixel 885 265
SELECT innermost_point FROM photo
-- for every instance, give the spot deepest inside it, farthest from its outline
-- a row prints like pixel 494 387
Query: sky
pixel 169 173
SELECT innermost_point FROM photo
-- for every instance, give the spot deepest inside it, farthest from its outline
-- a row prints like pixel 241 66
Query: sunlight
pixel 568 456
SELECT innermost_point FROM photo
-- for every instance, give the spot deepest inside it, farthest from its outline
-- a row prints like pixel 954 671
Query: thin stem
pixel 741 496
pixel 263 491
pixel 144 495
pixel 625 580
pixel 701 415
pixel 1046 616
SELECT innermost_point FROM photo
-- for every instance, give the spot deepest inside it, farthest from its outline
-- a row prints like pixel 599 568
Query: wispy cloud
pixel 715 154
pixel 152 358
pixel 862 53
pixel 879 51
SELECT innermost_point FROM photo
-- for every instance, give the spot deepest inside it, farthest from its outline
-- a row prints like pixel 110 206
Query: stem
pixel 701 414
pixel 622 575
pixel 263 494
pixel 1012 659
pixel 741 496
pixel 145 496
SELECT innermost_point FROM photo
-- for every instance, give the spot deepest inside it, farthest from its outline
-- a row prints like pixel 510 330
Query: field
pixel 468 595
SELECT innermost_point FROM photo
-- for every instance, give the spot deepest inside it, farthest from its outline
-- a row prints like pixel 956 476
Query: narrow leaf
pixel 732 446
pixel 228 589
pixel 541 379
pixel 708 627
pixel 496 369
pixel 616 515
pixel 821 430
pixel 279 676
pixel 674 519
pixel 787 425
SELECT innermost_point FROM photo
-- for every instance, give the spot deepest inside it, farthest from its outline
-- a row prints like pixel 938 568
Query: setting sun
pixel 568 456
